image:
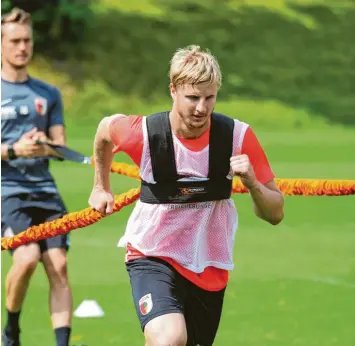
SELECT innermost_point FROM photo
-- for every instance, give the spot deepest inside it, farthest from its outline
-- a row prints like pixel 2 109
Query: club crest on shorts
pixel 146 304
pixel 41 105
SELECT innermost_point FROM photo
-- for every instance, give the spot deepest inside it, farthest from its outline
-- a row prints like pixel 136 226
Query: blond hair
pixel 190 65
pixel 17 16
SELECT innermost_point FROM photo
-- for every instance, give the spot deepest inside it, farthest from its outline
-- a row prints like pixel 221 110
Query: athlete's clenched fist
pixel 242 167
pixel 101 200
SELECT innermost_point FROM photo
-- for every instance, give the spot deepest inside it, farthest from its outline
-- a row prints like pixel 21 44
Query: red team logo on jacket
pixel 41 105
pixel 146 304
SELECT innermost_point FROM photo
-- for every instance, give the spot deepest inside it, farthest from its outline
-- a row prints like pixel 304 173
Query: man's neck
pixel 10 74
pixel 181 130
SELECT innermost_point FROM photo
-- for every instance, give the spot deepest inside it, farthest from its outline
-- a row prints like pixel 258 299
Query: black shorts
pixel 158 289
pixel 21 211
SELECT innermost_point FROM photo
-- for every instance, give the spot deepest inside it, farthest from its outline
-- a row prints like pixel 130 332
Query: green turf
pixel 294 284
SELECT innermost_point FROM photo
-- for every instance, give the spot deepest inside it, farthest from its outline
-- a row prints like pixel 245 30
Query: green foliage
pixel 298 53
pixel 56 22
pixel 89 103
pixel 5 5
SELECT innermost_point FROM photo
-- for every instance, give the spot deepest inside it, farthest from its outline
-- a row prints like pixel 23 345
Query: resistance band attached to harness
pixel 169 186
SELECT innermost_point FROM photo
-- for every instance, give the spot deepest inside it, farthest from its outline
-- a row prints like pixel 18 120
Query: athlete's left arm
pixel 252 166
pixel 268 202
pixel 57 134
pixel 56 128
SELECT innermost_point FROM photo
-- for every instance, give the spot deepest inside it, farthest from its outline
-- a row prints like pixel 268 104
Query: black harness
pixel 167 188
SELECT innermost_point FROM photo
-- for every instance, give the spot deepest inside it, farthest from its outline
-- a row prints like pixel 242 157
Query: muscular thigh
pixel 60 241
pixel 13 218
pixel 203 311
pixel 157 289
pixel 22 211
pixel 162 297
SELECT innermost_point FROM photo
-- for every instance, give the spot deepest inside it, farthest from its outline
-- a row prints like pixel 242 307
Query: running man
pixel 180 235
pixel 31 110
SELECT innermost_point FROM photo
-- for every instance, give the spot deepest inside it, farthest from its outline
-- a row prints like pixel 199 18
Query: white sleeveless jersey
pixel 196 235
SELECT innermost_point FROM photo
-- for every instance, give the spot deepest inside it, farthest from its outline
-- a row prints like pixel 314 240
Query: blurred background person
pixel 31 110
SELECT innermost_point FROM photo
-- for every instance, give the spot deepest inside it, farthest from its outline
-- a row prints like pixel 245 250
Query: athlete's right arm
pixel 101 198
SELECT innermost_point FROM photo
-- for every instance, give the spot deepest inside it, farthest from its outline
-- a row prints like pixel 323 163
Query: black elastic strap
pixel 221 146
pixel 167 189
pixel 186 192
pixel 161 147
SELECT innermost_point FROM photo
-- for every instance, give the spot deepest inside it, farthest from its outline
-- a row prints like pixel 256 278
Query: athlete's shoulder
pixel 128 120
pixel 241 122
pixel 124 125
pixel 125 131
pixel 45 86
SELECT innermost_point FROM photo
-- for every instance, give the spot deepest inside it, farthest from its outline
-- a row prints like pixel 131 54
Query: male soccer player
pixel 31 110
pixel 180 236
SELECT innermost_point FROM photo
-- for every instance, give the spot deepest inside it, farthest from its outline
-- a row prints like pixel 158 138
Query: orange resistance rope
pixel 88 216
pixel 290 187
pixel 67 223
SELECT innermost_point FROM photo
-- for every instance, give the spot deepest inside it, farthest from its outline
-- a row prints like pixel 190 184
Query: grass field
pixel 294 284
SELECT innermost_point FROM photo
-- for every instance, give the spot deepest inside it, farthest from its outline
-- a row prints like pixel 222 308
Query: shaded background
pixel 298 53
pixel 288 70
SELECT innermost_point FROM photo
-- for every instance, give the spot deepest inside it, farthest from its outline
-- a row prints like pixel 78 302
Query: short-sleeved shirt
pixel 127 135
pixel 24 106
